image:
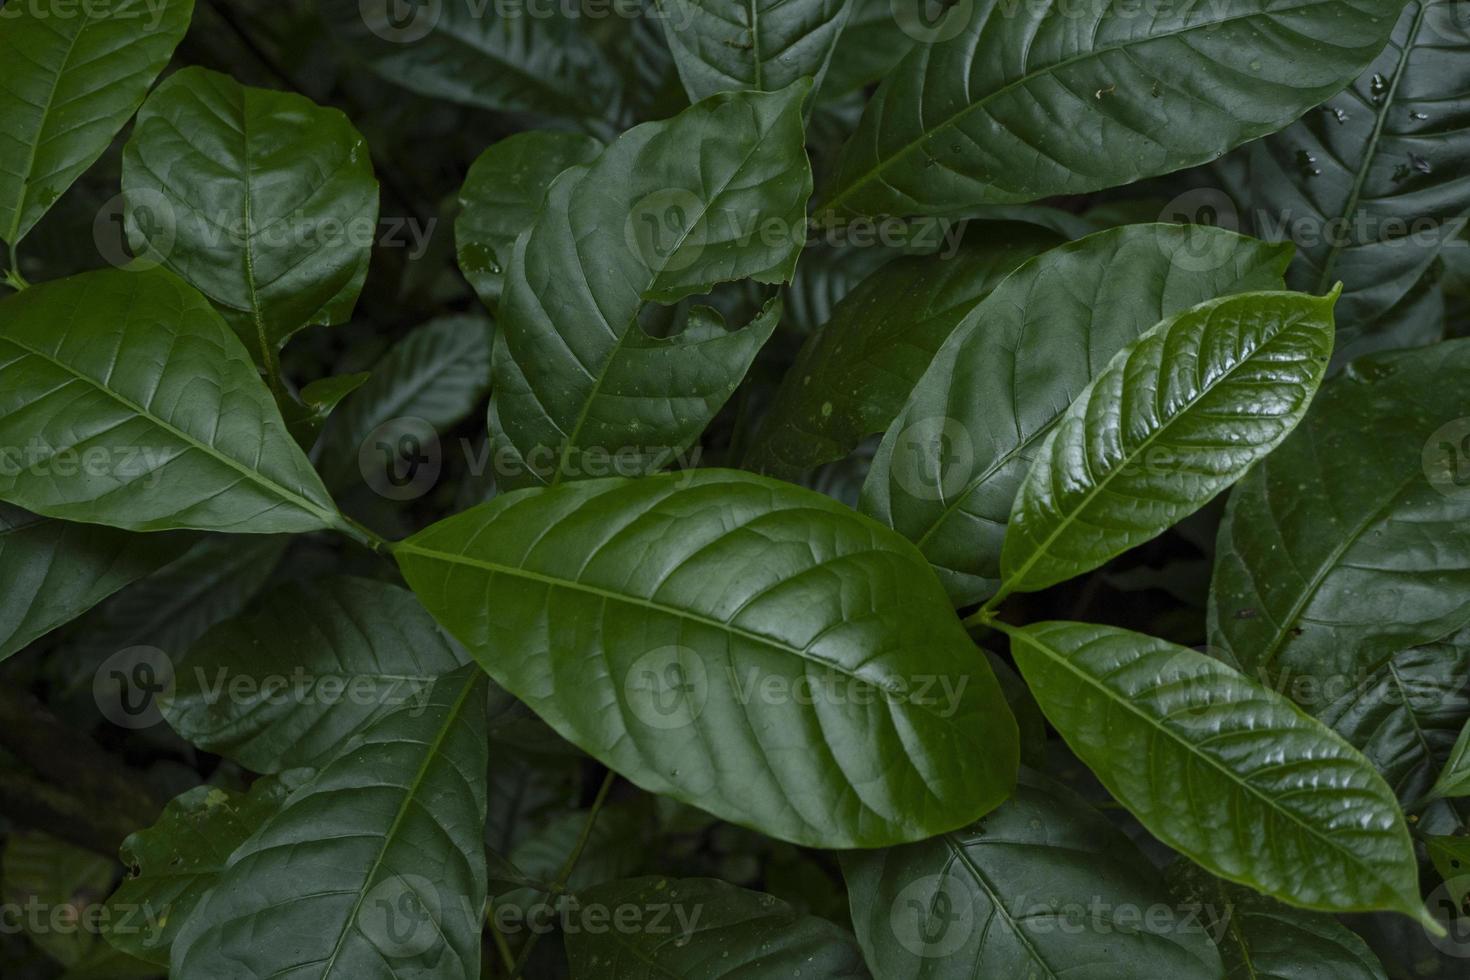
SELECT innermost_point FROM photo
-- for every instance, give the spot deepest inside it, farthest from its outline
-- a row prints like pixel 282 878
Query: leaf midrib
pixel 1189 749
pixel 926 135
pixel 608 595
pixel 328 518
pixel 35 146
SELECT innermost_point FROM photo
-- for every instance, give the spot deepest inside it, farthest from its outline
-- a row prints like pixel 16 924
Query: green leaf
pixel 263 201
pixel 73 81
pixel 312 666
pixel 1404 715
pixel 868 49
pixel 507 59
pixel 501 195
pixel 60 882
pixel 668 211
pixel 951 464
pixel 375 868
pixel 1451 858
pixel 145 413
pixel 1454 779
pixel 428 382
pixel 1177 416
pixel 51 571
pixel 780 661
pixel 705 929
pixel 174 864
pixel 1260 939
pixel 1044 887
pixel 306 417
pixel 1380 154
pixel 975 117
pixel 854 375
pixel 756 45
pixel 1325 565
pixel 1226 772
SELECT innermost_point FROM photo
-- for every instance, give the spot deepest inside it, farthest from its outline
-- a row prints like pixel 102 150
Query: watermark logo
pixel 932 21
pixel 129 685
pixel 933 458
pixel 1202 211
pixel 143 215
pixel 401 21
pixel 401 459
pixel 666 229
pixel 1450 904
pixel 401 916
pixel 667 688
pixel 932 917
pixel 1446 458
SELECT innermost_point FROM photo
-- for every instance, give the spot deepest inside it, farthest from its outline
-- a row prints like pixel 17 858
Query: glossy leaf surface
pixel 760 45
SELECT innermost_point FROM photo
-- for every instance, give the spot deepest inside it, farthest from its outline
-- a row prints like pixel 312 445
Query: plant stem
pixel 500 944
pixel 13 278
pixel 985 615
pixel 571 863
pixel 363 535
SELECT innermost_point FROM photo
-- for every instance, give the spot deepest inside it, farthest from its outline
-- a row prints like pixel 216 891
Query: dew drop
pixel 1337 114
pixel 1306 163
pixel 1417 116
pixel 1378 87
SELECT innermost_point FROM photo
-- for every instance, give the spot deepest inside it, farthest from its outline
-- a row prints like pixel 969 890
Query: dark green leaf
pixel 501 195
pixel 704 929
pixel 1227 772
pixel 755 45
pixel 174 864
pixel 41 880
pixel 779 661
pixel 1177 416
pixel 51 571
pixel 314 665
pixel 1451 858
pixel 73 77
pixel 1044 887
pixel 1006 103
pixel 855 374
pixel 870 46
pixel 666 212
pixel 1328 563
pixel 145 413
pixel 263 201
pixel 949 468
pixel 375 868
pixel 1454 780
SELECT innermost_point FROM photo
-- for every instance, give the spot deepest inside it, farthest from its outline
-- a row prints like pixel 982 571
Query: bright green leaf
pixel 778 661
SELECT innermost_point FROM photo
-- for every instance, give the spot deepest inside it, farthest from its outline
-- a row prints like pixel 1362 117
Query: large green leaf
pixel 1404 715
pixel 144 412
pixel 855 374
pixel 1326 565
pixel 949 467
pixel 51 571
pixel 263 201
pixel 1177 416
pixel 174 864
pixel 758 45
pixel 704 929
pixel 1454 779
pixel 780 661
pixel 1370 184
pixel 870 45
pixel 1227 772
pixel 505 58
pixel 1044 887
pixel 666 212
pixel 74 76
pixel 975 119
pixel 501 195
pixel 1261 939
pixel 427 382
pixel 375 868
pixel 315 664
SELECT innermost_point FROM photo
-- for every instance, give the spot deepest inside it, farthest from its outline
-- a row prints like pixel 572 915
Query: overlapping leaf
pixel 743 645
pixel 950 465
pixel 290 684
pixel 1351 542
pixel 51 571
pixel 855 374
pixel 666 212
pixel 375 868
pixel 974 114
pixel 73 77
pixel 759 45
pixel 1176 417
pixel 263 201
pixel 1223 770
pixel 708 930
pixel 138 407
pixel 1042 887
